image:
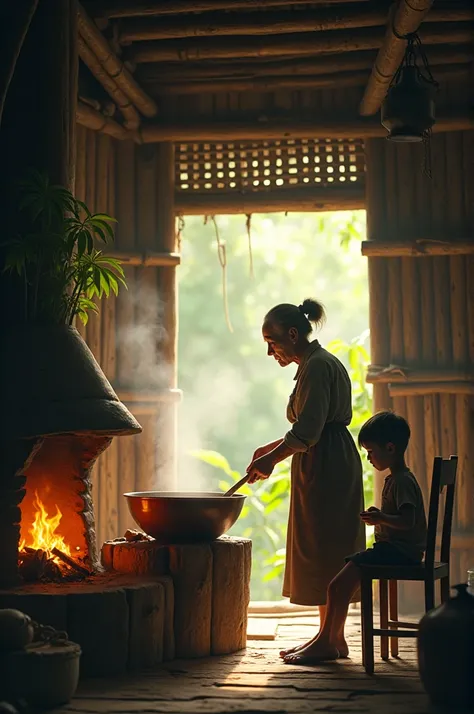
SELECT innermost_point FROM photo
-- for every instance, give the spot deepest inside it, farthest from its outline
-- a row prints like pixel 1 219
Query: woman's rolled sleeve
pixel 311 407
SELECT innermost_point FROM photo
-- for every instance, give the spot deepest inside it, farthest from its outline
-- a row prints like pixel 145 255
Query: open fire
pixel 45 555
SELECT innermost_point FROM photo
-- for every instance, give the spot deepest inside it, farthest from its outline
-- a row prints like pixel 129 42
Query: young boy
pixel 400 534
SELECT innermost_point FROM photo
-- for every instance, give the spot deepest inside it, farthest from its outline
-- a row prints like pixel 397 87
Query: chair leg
pixel 393 610
pixel 429 595
pixel 445 587
pixel 383 604
pixel 367 617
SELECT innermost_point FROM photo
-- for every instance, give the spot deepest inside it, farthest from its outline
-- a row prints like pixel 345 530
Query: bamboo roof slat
pixel 333 17
pixel 92 119
pixel 308 44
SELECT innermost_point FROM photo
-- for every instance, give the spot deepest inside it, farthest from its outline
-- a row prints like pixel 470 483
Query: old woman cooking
pixel 326 473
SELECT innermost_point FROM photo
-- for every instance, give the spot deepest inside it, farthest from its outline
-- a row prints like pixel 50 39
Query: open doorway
pixel 234 396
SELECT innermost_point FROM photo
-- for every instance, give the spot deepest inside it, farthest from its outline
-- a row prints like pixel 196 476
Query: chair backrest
pixel 444 475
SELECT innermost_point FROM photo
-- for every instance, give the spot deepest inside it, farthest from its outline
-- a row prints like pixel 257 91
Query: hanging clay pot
pixel 446 652
pixel 44 675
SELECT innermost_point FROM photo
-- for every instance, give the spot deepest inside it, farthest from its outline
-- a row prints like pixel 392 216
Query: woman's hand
pixel 264 450
pixel 260 468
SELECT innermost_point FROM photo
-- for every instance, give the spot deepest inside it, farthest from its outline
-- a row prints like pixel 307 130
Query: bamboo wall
pixel 134 334
pixel 422 313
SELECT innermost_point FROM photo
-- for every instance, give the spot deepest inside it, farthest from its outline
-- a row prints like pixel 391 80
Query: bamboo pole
pixel 332 64
pixel 405 375
pixel 113 66
pixel 91 119
pixel 270 23
pixel 254 23
pixel 331 41
pixel 15 21
pixel 378 282
pixel 280 200
pixel 414 389
pixel 253 129
pixel 418 249
pixel 147 258
pixel 165 87
pixel 406 19
pixel 130 114
pixel 106 9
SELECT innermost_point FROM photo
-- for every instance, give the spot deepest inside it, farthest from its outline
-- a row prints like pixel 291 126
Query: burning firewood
pixel 32 564
pixel 71 562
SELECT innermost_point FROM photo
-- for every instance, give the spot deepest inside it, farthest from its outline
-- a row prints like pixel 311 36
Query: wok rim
pixel 183 496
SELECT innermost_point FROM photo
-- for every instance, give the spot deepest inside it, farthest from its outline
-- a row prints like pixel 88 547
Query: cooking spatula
pixel 236 486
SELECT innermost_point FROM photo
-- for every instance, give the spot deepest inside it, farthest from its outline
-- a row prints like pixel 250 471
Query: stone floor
pixel 257 681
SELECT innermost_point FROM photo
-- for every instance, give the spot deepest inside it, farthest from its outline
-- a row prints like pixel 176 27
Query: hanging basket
pixel 50 383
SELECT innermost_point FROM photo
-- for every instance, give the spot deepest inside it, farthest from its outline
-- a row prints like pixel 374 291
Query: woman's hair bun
pixel 313 310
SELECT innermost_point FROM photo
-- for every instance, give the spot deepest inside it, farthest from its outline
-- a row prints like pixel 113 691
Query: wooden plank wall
pixel 423 309
pixel 121 179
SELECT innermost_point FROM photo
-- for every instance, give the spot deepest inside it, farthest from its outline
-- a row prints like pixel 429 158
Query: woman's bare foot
pixel 316 651
pixel 342 648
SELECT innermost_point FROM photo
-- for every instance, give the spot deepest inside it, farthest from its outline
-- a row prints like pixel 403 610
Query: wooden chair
pixel 444 474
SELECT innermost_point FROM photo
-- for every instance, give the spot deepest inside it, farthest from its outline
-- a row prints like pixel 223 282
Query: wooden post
pixel 167 286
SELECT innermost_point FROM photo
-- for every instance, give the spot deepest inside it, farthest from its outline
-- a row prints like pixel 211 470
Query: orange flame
pixel 43 532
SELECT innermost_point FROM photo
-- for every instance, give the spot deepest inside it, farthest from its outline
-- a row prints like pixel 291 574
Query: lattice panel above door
pixel 268 165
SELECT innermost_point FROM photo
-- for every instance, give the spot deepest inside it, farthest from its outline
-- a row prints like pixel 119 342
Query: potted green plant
pixel 56 257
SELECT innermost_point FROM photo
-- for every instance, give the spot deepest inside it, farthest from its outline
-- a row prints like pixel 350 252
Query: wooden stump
pixel 141 558
pixel 99 623
pixel 44 608
pixel 191 571
pixel 147 620
pixel 230 594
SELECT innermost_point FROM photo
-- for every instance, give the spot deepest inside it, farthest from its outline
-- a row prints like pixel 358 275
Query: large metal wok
pixel 184 517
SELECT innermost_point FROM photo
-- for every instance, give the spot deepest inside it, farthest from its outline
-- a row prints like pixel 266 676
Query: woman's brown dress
pixel 326 479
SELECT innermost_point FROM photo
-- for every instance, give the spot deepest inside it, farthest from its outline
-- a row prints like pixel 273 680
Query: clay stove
pixel 58 414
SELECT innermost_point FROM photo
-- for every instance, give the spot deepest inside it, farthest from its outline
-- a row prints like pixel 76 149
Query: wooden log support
pixel 252 129
pixel 99 623
pixel 406 19
pixel 147 622
pixel 191 571
pixel 230 594
pixel 44 608
pixel 169 647
pixel 347 198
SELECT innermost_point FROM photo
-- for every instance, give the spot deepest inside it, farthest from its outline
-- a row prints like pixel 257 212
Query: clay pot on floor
pixel 44 675
pixel 446 652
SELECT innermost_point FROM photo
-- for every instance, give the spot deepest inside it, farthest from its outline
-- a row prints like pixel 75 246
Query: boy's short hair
pixel 385 428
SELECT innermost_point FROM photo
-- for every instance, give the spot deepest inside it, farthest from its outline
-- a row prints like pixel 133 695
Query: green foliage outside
pixel 234 395
pixel 53 254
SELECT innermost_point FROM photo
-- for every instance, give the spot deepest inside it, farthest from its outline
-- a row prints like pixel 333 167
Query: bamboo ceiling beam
pixel 313 198
pixel 406 19
pixel 113 66
pixel 203 48
pixel 124 105
pixel 128 8
pixel 324 64
pixel 416 249
pixel 252 129
pixel 272 23
pixel 15 19
pixel 271 84
pixel 92 119
pixel 147 259
pixel 255 23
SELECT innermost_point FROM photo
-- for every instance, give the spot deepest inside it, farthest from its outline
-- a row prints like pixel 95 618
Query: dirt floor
pixel 257 681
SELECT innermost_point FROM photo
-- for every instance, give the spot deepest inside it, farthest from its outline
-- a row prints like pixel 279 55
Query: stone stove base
pixel 193 605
